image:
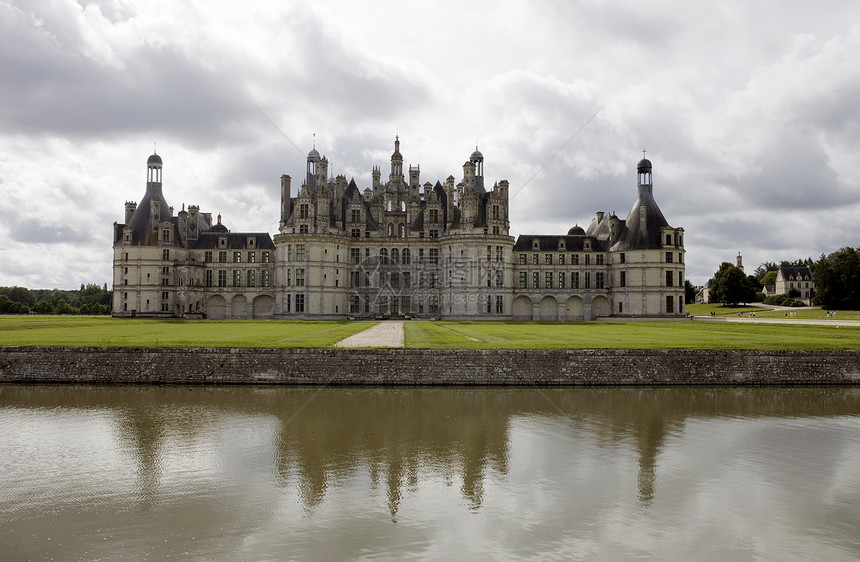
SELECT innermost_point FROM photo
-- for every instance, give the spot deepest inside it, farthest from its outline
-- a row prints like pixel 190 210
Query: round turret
pixel 644 166
pixel 313 155
pixel 154 159
pixel 576 231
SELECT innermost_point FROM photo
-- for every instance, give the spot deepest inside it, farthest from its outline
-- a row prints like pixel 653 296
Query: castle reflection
pixel 396 436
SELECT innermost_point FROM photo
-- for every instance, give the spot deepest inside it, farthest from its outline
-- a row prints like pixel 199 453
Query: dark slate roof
pixel 643 226
pixel 549 243
pixel 797 273
pixel 235 241
pixel 142 235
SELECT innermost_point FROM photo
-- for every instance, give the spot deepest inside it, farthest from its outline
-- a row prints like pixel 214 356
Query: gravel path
pixel 388 333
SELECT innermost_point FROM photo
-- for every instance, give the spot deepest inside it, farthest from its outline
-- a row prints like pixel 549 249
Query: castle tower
pixel 396 161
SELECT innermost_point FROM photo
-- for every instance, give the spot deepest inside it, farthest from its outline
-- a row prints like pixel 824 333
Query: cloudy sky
pixel 749 111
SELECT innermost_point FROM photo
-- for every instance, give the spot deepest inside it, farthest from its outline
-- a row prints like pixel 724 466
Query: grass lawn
pixel 805 313
pixel 629 335
pixel 88 331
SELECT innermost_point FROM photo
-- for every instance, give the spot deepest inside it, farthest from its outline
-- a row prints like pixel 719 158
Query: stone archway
pixel 600 307
pixel 574 309
pixel 522 308
pixel 216 307
pixel 239 307
pixel 548 308
pixel 263 306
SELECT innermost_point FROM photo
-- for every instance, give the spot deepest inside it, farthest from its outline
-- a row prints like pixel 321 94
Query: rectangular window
pixel 670 305
pixel 622 258
pixel 668 239
pixel 251 278
pixel 535 280
pixel 433 216
pixel 561 278
pixel 304 211
pixel 669 278
pixel 354 255
pixel 500 304
pixel 237 257
pixel 300 302
pixel 433 233
pixel 355 216
pixel 499 279
pixel 355 233
pixel 623 279
pixel 165 235
pixel 287 302
pixel 165 281
pixel 561 259
pixel 522 259
pixel 496 214
pixel 680 278
pixel 208 277
pixel 222 257
pixel 599 280
pixel 587 280
pixel 499 253
pixel 434 256
pixel 587 259
pixel 523 280
pixel 547 259
pixel 207 256
pixel 165 270
pixel 574 259
pixel 300 277
pixel 489 253
pixel 680 257
pixel 668 257
pixel 353 304
pixel 547 280
pixel 300 252
pixel 237 278
pixel 165 254
pixel 252 257
pixel 535 259
pixel 264 278
pixel 574 280
pixel 599 258
pixel 222 277
pixel 266 257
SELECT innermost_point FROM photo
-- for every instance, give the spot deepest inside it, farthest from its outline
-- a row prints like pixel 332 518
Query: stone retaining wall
pixel 426 367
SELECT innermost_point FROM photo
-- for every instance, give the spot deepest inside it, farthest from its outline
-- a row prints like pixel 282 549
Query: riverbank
pixel 112 365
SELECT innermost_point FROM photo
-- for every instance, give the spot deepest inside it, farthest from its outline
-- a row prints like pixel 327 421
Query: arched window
pixel 383 255
pixel 401 230
pixel 405 256
pixel 390 230
pixel 395 255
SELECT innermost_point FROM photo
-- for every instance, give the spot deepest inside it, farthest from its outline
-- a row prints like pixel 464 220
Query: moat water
pixel 265 473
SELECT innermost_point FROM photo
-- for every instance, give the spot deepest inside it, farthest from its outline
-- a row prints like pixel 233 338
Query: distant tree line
pixel 89 299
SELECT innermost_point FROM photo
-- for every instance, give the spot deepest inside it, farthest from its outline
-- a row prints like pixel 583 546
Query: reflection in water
pixel 545 466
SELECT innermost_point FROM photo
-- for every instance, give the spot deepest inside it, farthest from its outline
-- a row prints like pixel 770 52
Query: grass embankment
pixel 805 313
pixel 95 331
pixel 628 335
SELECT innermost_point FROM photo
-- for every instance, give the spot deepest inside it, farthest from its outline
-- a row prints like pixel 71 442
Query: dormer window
pixel 222 241
pixel 252 241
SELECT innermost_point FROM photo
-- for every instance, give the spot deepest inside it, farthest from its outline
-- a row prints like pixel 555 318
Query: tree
pixel 689 292
pixel 837 277
pixel 765 268
pixel 63 307
pixel 769 277
pixel 731 286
